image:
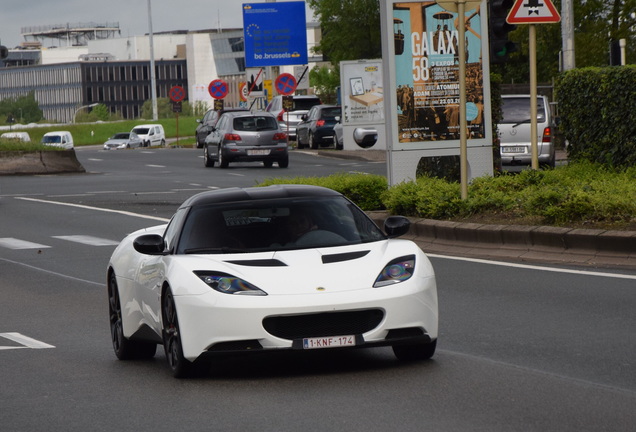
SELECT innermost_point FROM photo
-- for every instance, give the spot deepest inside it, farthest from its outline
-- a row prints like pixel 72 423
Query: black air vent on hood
pixel 326 259
pixel 259 263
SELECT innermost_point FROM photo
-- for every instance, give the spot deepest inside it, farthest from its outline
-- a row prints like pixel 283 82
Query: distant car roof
pixel 257 193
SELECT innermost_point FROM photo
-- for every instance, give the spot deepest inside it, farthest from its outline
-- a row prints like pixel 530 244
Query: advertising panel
pixel 362 92
pixel 275 34
pixel 427 73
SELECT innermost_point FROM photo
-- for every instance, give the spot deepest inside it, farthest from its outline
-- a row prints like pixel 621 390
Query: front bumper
pixel 391 315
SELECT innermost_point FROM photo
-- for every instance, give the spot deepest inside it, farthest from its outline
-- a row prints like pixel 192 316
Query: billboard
pixel 427 73
pixel 362 92
pixel 275 34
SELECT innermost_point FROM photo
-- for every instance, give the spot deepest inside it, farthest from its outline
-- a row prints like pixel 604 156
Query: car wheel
pixel 223 163
pixel 207 160
pixel 268 163
pixel 283 163
pixel 179 365
pixel 125 349
pixel 338 145
pixel 312 142
pixel 413 352
pixel 163 143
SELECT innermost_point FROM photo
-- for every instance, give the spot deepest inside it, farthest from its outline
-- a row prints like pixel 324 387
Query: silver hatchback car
pixel 515 131
pixel 246 137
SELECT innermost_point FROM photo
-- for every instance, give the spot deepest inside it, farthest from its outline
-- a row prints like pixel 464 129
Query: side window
pixel 173 229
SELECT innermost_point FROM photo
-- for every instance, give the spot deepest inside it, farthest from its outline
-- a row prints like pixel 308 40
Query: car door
pixel 302 130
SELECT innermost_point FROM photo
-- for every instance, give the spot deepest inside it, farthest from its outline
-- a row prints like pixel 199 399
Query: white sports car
pixel 280 267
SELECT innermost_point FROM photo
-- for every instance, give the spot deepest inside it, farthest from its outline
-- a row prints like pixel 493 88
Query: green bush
pixel 597 107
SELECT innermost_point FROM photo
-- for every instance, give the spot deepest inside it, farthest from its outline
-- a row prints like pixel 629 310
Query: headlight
pixel 398 270
pixel 228 284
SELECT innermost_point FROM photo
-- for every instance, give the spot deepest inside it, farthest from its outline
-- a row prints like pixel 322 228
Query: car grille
pixel 323 324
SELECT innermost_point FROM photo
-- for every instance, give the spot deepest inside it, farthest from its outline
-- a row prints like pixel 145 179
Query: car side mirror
pixel 396 226
pixel 304 117
pixel 149 244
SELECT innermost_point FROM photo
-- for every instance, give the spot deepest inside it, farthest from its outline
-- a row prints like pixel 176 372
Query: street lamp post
pixel 81 108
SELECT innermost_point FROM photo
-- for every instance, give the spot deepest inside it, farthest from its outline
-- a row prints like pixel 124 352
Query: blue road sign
pixel 275 34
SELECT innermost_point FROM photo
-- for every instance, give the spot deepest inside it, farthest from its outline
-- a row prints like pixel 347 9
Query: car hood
pixel 333 269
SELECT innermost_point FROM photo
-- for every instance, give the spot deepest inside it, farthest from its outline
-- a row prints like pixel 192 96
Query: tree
pixel 24 109
pixel 325 80
pixel 350 29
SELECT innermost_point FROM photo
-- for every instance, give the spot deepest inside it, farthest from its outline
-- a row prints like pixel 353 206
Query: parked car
pixel 289 119
pixel 284 267
pixel 515 131
pixel 62 139
pixel 123 140
pixel 209 121
pixel 151 134
pixel 17 136
pixel 316 127
pixel 246 137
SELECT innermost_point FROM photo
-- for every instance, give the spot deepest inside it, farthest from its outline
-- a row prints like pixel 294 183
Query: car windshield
pixel 141 131
pixel 254 123
pixel 267 225
pixel 121 136
pixel 52 139
pixel 517 110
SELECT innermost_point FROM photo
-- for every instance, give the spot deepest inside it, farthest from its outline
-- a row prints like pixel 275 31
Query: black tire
pixel 124 348
pixel 179 365
pixel 337 144
pixel 283 163
pixel 268 163
pixel 415 352
pixel 312 142
pixel 223 163
pixel 163 143
pixel 299 142
pixel 207 160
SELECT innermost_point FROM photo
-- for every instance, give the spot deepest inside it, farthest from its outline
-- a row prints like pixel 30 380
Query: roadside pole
pixel 532 43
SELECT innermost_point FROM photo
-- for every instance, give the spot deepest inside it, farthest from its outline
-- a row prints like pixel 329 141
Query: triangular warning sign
pixel 533 12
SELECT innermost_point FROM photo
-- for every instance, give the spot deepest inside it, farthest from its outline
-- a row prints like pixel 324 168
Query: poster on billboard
pixel 427 74
pixel 362 92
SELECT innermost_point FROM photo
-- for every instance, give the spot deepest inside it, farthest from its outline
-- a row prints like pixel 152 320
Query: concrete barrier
pixel 39 162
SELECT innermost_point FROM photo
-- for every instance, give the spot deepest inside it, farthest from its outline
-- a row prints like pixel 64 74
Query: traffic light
pixel 498 30
pixel 4 52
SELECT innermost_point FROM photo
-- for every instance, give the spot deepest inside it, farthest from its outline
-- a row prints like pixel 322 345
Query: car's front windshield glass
pixel 52 139
pixel 268 225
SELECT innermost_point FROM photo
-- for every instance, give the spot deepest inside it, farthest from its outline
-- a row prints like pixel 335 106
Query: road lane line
pixel 88 240
pixel 125 213
pixel 14 243
pixel 25 341
pixel 100 284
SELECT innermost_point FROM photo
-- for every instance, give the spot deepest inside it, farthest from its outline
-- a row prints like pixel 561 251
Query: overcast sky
pixel 132 15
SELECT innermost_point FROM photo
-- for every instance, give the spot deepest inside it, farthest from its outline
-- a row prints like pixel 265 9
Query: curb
pixel 602 248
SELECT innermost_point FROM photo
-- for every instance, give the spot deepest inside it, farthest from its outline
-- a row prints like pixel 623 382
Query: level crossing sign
pixel 533 12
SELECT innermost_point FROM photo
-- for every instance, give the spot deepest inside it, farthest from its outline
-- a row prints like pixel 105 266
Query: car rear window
pixel 254 123
pixel 305 104
pixel 330 113
pixel 517 110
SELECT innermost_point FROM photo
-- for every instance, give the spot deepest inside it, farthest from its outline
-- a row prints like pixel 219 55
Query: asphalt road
pixel 520 349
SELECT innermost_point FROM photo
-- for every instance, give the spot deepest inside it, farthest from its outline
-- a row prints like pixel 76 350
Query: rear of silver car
pixel 254 137
pixel 515 131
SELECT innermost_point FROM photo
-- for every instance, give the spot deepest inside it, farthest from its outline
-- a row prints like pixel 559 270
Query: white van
pixel 515 131
pixel 62 139
pixel 151 134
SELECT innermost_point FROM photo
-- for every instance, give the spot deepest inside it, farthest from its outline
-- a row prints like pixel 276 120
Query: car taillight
pixel 280 116
pixel 320 123
pixel 232 137
pixel 547 135
pixel 280 136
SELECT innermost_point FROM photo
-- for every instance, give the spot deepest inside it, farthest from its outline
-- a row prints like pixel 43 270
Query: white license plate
pixel 328 342
pixel 513 149
pixel 257 152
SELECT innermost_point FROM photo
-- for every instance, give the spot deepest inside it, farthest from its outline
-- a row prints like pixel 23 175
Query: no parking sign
pixel 218 89
pixel 285 84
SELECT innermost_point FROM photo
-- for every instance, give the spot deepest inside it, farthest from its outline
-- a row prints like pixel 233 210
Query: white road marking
pixel 14 243
pixel 88 240
pixel 537 267
pixel 25 341
pixel 156 166
pixel 99 284
pixel 125 213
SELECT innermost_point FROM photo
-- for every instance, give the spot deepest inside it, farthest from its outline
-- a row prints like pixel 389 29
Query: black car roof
pixel 257 193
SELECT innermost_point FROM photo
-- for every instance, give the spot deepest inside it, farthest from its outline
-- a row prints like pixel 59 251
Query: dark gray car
pixel 246 137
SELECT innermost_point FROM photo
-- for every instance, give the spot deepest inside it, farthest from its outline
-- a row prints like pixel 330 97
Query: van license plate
pixel 257 152
pixel 513 149
pixel 328 342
